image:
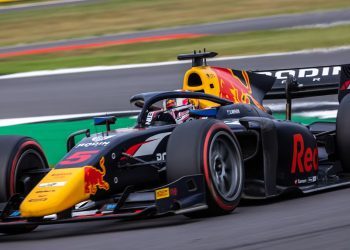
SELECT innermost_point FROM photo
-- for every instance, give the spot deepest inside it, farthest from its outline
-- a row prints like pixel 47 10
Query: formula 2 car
pixel 194 152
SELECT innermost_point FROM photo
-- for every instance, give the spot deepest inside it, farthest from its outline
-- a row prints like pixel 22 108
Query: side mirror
pixel 108 120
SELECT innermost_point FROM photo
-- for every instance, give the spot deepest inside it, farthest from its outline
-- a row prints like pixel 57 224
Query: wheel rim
pixel 225 164
pixel 30 159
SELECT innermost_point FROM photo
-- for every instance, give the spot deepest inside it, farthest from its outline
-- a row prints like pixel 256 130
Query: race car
pixel 195 152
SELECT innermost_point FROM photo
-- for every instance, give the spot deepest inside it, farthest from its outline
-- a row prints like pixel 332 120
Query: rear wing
pixel 312 81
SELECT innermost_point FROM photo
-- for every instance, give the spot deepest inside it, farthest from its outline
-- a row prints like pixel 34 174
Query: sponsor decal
pixel 233 111
pixel 94 178
pixel 300 181
pixel 310 179
pixel 149 118
pixel 236 122
pixel 162 193
pixel 93 144
pixel 161 156
pixel 45 191
pixel 101 138
pixel 316 74
pixel 305 159
pixel 53 184
pixel 37 200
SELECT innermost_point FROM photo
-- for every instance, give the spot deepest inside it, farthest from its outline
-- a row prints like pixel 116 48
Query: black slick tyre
pixel 18 155
pixel 208 147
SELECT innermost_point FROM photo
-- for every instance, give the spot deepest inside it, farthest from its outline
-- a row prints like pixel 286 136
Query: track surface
pixel 315 222
pixel 111 90
pixel 253 24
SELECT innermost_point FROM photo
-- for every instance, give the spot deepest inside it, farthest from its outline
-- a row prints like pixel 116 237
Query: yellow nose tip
pixel 59 190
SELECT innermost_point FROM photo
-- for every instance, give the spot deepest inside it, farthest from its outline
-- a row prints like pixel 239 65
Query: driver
pixel 175 111
pixel 178 108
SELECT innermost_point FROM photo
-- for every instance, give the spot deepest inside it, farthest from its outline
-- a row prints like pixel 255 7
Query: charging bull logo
pixel 94 178
pixel 236 88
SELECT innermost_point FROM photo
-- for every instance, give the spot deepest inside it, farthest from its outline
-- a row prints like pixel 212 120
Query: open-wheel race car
pixel 195 152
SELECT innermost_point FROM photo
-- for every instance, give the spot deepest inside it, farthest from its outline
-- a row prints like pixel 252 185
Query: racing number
pixel 79 157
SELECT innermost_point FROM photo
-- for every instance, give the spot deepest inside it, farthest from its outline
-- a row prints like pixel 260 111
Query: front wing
pixel 184 195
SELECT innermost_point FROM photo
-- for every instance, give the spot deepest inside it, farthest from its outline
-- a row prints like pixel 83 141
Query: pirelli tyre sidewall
pixel 192 150
pixel 343 133
pixel 17 155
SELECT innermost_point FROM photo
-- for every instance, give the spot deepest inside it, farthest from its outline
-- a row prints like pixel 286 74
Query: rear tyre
pixel 343 133
pixel 18 154
pixel 208 147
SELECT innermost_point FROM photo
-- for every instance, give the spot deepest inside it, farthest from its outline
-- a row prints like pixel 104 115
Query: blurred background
pixel 65 61
pixel 47 22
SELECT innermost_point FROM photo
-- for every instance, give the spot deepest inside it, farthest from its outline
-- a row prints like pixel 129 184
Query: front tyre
pixel 208 147
pixel 18 155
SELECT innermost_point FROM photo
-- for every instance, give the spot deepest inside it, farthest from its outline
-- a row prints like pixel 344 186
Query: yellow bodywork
pixel 210 84
pixel 63 188
pixel 59 190
pixel 221 82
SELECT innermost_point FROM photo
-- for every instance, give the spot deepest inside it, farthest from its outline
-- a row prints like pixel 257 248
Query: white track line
pixel 26 120
pixel 318 26
pixel 158 64
pixel 46 3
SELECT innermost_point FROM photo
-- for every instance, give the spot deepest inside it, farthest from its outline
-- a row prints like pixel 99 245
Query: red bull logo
pixel 234 88
pixel 304 158
pixel 94 178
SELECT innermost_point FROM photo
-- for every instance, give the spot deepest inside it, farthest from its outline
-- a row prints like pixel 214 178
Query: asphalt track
pixel 110 90
pixel 319 221
pixel 251 24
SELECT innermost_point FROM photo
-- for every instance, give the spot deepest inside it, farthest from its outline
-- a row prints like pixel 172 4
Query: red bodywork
pixel 234 88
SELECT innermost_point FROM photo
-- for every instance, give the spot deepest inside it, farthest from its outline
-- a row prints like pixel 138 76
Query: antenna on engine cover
pixel 291 85
pixel 198 59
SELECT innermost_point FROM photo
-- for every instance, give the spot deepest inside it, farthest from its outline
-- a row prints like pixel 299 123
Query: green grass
pixel 111 16
pixel 230 44
pixel 302 119
pixel 53 135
